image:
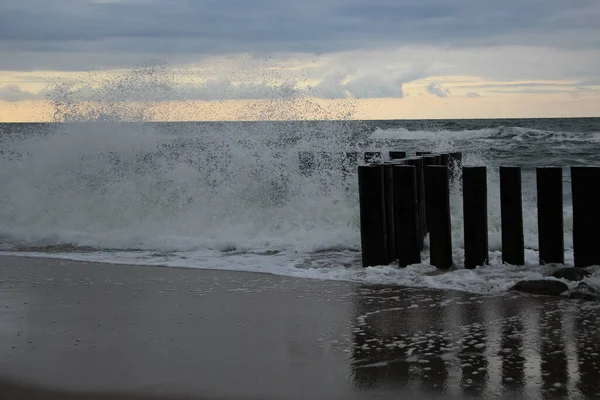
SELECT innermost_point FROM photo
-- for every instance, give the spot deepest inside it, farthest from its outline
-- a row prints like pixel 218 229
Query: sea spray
pixel 105 178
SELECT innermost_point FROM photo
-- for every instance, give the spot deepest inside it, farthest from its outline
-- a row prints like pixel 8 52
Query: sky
pixel 309 59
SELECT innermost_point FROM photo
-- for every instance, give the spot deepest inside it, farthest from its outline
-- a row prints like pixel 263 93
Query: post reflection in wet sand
pixel 472 354
pixel 377 366
pixel 511 351
pixel 588 351
pixel 461 345
pixel 554 363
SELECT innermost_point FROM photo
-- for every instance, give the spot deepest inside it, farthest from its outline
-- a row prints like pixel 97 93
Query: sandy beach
pixel 84 330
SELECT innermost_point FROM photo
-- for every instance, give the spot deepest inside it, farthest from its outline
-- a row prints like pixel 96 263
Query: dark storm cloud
pixel 36 30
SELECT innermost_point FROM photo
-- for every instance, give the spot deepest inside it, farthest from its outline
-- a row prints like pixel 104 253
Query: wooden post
pixel 417 162
pixel 586 215
pixel 437 198
pixel 550 215
pixel 372 156
pixel 307 162
pixel 372 215
pixel 475 216
pixel 388 189
pixel 408 240
pixel 427 161
pixel 396 155
pixel 511 213
pixel 445 159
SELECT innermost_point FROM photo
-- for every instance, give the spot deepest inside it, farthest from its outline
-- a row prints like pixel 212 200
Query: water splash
pixel 106 178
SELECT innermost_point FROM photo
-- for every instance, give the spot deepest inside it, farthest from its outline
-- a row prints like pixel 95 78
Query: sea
pixel 233 196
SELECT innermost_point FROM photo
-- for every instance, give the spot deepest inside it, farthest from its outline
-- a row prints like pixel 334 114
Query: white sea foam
pixel 433 135
pixel 342 265
pixel 129 187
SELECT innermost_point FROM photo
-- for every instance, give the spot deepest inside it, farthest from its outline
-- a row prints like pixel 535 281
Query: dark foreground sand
pixel 71 330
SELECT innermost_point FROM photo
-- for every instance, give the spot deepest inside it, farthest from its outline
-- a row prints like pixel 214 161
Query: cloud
pixel 126 28
pixel 435 89
pixel 473 95
pixel 531 91
pixel 590 82
pixel 220 89
pixel 14 93
pixel 242 79
pixel 358 74
pixel 512 85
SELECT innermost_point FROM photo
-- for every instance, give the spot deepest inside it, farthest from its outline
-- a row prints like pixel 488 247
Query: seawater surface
pixel 233 196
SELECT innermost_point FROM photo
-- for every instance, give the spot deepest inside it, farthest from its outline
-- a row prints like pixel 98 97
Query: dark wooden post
pixel 511 213
pixel 372 215
pixel 372 156
pixel 445 159
pixel 417 162
pixel 408 241
pixel 388 188
pixel 475 216
pixel 437 198
pixel 396 155
pixel 586 215
pixel 550 215
pixel 427 161
pixel 307 162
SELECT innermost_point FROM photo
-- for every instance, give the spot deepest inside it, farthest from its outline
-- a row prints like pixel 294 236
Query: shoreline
pixel 41 256
pixel 490 280
pixel 94 330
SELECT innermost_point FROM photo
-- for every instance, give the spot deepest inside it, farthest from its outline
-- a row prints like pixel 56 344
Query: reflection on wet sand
pixel 588 352
pixel 473 345
pixel 461 345
pixel 511 351
pixel 554 364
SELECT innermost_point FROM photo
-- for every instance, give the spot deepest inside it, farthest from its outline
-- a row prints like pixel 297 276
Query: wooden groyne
pixel 412 196
pixel 405 198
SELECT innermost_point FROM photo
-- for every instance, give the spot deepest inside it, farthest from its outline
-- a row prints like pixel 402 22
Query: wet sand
pixel 84 330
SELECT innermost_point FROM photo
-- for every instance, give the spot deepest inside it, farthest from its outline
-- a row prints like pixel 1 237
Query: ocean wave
pixel 131 187
pixel 515 133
